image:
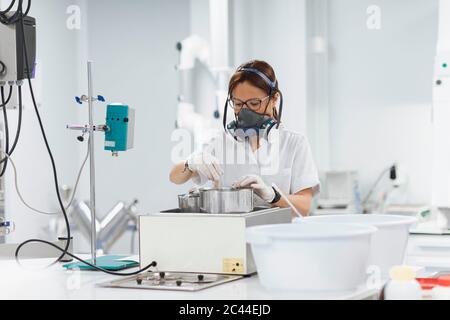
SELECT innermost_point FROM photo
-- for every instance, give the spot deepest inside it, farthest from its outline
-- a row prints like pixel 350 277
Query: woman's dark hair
pixel 256 80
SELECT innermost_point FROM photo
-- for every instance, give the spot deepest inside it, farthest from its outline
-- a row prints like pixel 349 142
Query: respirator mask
pixel 249 123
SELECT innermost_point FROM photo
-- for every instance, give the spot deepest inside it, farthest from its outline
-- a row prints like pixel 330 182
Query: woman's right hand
pixel 205 164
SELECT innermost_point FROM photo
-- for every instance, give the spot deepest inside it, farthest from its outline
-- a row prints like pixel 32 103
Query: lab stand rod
pixel 92 164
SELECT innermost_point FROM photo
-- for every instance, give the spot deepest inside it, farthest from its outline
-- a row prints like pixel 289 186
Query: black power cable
pixel 44 136
pixel 5 121
pixel 9 8
pixel 17 15
pixel 153 264
pixel 28 9
pixel 7 99
pixel 2 68
pixel 19 125
pixel 55 175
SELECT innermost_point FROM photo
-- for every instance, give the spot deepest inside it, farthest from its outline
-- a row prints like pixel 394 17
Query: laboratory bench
pixel 34 280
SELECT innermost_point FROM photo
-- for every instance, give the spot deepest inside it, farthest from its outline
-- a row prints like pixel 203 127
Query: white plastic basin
pixel 388 244
pixel 311 256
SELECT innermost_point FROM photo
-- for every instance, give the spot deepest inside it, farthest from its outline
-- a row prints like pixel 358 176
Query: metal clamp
pixel 87 129
pixel 85 98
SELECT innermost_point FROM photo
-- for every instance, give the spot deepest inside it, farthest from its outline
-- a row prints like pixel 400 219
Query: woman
pixel 255 150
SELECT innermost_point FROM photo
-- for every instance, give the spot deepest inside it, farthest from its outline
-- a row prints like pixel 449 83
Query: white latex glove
pixel 264 191
pixel 205 164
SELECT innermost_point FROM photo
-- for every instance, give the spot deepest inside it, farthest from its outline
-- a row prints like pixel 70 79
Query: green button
pixel 444 65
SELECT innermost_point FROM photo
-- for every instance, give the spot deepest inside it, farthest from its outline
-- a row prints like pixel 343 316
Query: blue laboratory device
pixel 119 135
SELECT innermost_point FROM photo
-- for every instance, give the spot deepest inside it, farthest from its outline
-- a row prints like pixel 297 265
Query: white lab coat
pixel 284 159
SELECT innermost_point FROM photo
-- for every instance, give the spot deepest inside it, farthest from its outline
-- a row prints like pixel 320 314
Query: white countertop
pixel 33 281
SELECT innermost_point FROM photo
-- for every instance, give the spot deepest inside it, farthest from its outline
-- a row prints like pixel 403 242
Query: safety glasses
pixel 252 104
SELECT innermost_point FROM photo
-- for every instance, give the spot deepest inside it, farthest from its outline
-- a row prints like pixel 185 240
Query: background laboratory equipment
pixel 119 136
pixel 203 242
pixel 340 194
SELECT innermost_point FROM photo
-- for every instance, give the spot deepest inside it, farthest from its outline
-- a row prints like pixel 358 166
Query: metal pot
pixel 189 203
pixel 226 200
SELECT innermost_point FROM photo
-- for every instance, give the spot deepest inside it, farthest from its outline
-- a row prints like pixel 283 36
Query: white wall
pixel 275 31
pixel 133 46
pixel 380 90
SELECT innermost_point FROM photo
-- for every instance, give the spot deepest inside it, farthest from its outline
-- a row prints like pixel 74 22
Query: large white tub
pixel 311 256
pixel 389 242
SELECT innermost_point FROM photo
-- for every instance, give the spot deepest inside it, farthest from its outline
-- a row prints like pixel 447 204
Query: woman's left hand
pixel 255 182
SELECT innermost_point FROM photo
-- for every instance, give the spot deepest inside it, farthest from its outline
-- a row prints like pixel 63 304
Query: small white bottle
pixel 403 285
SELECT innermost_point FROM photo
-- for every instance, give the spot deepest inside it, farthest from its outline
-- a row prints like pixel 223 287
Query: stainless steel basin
pixel 226 200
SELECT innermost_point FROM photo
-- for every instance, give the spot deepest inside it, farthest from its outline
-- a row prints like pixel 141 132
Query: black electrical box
pixel 13 65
